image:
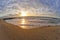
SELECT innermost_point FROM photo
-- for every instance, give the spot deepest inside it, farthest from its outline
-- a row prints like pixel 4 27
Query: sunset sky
pixel 33 7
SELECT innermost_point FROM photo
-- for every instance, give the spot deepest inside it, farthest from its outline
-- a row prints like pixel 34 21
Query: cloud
pixel 39 7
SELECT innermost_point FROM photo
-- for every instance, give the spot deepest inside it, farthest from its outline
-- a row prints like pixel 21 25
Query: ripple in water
pixel 34 22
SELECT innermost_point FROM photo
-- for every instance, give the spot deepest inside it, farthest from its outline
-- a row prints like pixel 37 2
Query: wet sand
pixel 12 32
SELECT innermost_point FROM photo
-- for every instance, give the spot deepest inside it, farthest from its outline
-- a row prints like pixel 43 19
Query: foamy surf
pixel 34 22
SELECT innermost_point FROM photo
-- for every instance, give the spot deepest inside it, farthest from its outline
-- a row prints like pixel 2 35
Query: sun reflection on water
pixel 23 22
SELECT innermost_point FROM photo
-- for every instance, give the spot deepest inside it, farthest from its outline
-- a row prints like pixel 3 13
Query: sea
pixel 28 22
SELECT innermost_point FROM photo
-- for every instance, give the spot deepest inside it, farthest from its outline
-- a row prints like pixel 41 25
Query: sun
pixel 24 13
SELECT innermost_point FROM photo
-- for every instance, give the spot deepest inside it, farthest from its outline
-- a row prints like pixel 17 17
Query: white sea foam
pixel 34 23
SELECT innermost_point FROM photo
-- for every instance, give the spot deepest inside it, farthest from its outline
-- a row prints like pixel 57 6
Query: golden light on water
pixel 23 22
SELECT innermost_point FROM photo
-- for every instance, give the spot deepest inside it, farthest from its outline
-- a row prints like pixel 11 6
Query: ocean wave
pixel 34 21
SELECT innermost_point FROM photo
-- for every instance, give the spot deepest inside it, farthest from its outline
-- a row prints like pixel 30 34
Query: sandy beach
pixel 13 32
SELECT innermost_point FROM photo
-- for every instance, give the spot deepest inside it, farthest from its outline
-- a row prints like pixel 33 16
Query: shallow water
pixel 34 22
